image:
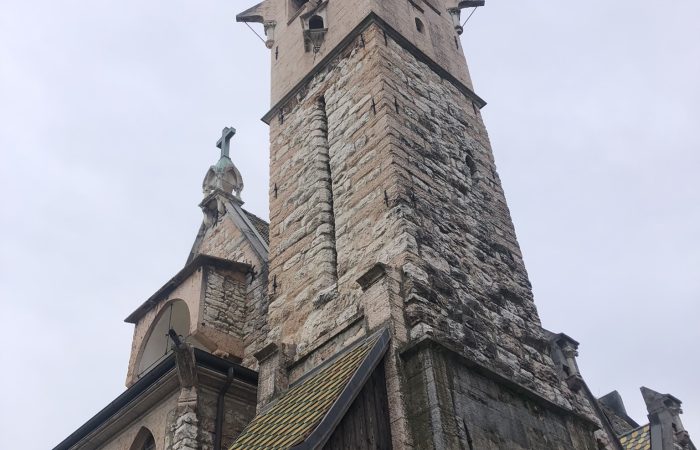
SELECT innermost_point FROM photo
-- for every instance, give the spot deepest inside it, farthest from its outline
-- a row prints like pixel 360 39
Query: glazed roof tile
pixel 298 412
pixel 639 439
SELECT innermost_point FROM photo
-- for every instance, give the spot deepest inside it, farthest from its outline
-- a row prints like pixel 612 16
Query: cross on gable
pixel 225 141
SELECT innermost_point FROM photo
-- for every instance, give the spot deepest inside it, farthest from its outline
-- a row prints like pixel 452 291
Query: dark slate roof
pixel 639 439
pixel 619 423
pixel 311 409
pixel 614 409
pixel 260 225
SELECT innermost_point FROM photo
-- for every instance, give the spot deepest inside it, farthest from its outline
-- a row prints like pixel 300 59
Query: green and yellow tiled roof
pixel 290 420
pixel 639 439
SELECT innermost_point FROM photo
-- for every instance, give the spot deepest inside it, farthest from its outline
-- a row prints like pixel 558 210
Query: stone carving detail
pixel 186 426
pixel 224 176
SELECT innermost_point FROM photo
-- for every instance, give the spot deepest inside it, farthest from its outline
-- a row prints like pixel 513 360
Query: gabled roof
pixel 260 225
pixel 639 439
pixel 306 415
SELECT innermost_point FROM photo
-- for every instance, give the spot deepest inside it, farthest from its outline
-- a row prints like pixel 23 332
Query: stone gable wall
pixel 225 240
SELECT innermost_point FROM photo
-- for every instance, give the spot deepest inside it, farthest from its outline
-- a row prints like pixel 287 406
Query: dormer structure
pixel 191 378
pixel 205 304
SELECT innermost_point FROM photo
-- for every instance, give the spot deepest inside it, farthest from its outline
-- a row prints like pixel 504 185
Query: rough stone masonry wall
pixel 462 408
pixel 225 240
pixel 304 309
pixel 197 430
pixel 225 303
pixel 465 280
pixel 415 187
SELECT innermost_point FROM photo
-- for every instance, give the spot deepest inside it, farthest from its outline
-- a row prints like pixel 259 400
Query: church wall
pixel 228 314
pixel 306 309
pixel 225 240
pixel 465 280
pixel 239 409
pixel 454 406
pixel 291 62
pixel 157 420
pixel 414 186
pixel 189 291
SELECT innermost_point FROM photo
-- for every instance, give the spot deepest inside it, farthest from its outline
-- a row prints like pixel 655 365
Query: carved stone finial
pixel 269 27
pixel 224 176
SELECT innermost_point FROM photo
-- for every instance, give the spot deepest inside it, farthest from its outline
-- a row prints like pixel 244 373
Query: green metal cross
pixel 224 143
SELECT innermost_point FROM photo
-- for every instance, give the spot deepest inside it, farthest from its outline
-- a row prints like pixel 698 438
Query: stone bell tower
pixel 387 213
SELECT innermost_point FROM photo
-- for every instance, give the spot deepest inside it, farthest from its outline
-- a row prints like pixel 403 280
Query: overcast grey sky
pixel 109 114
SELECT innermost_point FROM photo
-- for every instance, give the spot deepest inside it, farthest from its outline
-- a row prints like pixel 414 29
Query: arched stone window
pixel 316 23
pixel 175 315
pixel 144 440
pixel 419 25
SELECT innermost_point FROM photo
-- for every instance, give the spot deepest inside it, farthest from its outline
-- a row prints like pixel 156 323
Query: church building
pixel 386 304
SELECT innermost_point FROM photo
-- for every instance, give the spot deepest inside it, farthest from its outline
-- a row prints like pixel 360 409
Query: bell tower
pixel 387 213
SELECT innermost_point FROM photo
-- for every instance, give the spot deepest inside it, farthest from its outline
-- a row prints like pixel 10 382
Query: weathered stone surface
pixel 414 187
pixel 471 408
pixel 226 240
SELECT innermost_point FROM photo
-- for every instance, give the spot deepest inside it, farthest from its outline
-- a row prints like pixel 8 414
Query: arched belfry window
pixel 144 440
pixel 419 25
pixel 176 316
pixel 316 23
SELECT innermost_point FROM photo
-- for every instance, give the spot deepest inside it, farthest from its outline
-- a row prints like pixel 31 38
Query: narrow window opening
pixel 567 371
pixel 316 23
pixel 456 42
pixel 419 25
pixel 471 165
